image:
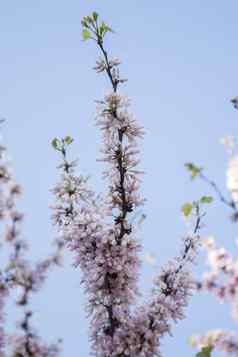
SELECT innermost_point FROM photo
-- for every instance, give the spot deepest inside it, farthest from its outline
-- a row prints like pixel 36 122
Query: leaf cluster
pixel 60 144
pixel 205 352
pixel 188 207
pixel 93 30
pixel 194 170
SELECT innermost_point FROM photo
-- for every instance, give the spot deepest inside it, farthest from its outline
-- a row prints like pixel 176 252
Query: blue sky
pixel 181 62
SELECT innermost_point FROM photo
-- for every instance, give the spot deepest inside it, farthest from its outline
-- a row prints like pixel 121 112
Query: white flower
pixel 232 177
pixel 149 259
pixel 208 243
pixel 228 142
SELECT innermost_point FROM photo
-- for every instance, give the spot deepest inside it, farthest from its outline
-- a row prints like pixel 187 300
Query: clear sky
pixel 181 61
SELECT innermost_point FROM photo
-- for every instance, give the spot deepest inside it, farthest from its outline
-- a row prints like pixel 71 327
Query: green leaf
pixel 206 199
pixel 187 209
pixel 86 35
pixel 108 29
pixel 68 140
pixel 205 352
pixel 193 169
pixel 103 29
pixel 88 19
pixel 95 16
pixel 103 25
pixel 56 144
pixel 84 22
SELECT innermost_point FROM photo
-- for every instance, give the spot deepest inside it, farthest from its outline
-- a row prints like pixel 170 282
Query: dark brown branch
pixel 187 249
pixel 229 203
pixel 121 189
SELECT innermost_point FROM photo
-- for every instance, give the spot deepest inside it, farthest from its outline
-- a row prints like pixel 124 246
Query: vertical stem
pixel 121 189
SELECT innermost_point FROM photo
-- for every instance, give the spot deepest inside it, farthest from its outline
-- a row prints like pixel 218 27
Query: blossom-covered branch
pixel 222 278
pixel 100 232
pixel 173 287
pixel 10 219
pixel 17 273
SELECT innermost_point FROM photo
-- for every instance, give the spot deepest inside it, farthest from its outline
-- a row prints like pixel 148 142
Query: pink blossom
pixel 99 231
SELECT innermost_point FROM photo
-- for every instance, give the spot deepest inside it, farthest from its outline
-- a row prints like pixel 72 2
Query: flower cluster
pixel 142 331
pixel 107 253
pixel 101 64
pixel 120 131
pixel 99 231
pixel 18 274
pixel 106 250
pixel 222 279
pixel 28 343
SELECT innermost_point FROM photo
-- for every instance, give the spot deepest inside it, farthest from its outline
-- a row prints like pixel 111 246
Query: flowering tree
pixel 222 278
pixel 97 228
pixel 101 232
